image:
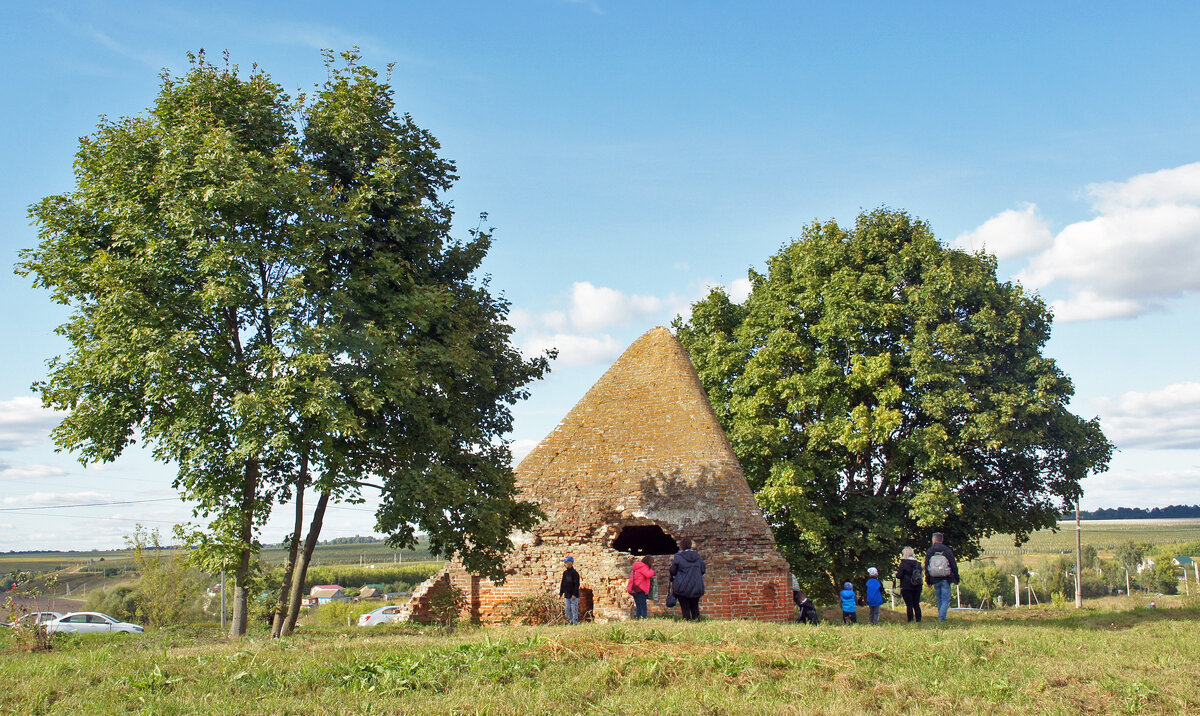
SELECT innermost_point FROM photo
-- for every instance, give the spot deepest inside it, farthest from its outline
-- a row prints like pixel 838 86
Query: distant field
pixel 1104 535
pixel 79 572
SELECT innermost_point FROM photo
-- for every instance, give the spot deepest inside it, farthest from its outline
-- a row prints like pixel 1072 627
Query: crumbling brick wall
pixel 641 450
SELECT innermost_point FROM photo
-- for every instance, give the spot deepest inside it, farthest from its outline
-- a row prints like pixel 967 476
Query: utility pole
pixel 1078 560
pixel 1127 581
pixel 222 596
pixel 1016 588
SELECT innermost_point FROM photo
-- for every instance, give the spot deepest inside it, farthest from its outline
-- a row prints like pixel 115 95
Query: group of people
pixel 687 584
pixel 939 571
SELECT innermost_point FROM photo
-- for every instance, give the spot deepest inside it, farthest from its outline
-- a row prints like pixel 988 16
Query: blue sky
pixel 630 155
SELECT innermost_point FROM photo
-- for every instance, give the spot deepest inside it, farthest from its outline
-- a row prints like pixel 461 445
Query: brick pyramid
pixel 639 463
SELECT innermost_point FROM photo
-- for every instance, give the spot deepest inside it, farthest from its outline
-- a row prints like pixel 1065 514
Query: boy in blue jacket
pixel 849 608
pixel 874 594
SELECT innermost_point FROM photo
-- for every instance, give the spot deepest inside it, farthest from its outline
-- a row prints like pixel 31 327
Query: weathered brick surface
pixel 643 447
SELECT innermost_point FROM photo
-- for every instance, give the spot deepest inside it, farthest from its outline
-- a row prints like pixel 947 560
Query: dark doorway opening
pixel 644 539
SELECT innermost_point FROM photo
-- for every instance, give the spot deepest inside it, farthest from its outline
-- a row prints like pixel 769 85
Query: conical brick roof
pixel 642 442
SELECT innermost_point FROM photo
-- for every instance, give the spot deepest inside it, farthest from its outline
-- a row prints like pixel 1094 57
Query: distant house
pixel 1147 563
pixel 1185 562
pixel 369 593
pixel 323 594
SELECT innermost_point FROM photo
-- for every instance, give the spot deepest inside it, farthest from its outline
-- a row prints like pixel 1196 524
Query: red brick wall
pixel 643 447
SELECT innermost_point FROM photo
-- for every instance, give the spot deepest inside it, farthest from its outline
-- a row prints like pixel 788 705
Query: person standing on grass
pixel 911 576
pixel 568 589
pixel 687 579
pixel 941 570
pixel 874 594
pixel 849 604
pixel 639 585
pixel 808 612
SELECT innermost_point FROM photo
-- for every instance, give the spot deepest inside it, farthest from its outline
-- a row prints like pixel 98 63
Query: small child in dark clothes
pixel 849 606
pixel 808 612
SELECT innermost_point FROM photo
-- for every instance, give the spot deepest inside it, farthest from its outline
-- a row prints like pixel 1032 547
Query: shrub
pixel 446 604
pixel 119 602
pixel 535 609
pixel 335 614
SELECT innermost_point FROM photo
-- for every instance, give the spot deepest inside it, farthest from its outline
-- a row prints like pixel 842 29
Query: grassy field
pixel 1035 661
pixel 1104 535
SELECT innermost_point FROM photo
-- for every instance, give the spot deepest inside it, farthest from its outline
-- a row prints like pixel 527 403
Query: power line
pixel 87 504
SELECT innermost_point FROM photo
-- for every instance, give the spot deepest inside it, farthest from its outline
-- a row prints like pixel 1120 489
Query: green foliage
pixel 877 386
pixel 403 575
pixel 120 602
pixel 1162 578
pixel 169 590
pixel 257 284
pixel 535 609
pixel 334 614
pixel 446 603
pixel 24 595
pixel 1130 554
pixel 981 585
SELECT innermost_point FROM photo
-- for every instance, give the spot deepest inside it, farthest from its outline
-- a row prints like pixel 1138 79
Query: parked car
pixel 34 618
pixel 91 623
pixel 382 615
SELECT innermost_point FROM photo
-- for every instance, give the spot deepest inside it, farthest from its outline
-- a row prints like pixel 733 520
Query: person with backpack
pixel 639 585
pixel 911 577
pixel 849 604
pixel 874 594
pixel 687 579
pixel 941 570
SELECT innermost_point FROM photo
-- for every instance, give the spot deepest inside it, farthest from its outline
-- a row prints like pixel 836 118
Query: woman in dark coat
pixel 911 575
pixel 687 579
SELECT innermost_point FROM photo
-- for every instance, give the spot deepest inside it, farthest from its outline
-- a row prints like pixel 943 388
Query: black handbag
pixel 671 601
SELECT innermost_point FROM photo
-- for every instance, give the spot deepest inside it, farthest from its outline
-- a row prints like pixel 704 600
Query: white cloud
pixel 1165 419
pixel 739 290
pixel 1140 250
pixel 24 422
pixel 1180 185
pixel 23 472
pixel 1141 488
pixel 1009 234
pixel 521 448
pixel 597 307
pixel 1087 305
pixel 575 350
pixel 48 499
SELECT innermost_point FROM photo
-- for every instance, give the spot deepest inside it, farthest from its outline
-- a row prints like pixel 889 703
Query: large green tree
pixel 266 291
pixel 878 386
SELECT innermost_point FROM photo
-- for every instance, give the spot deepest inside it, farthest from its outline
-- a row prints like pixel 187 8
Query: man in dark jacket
pixel 687 579
pixel 568 589
pixel 941 570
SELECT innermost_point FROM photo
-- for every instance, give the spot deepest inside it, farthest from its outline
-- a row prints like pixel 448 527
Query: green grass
pixel 1104 535
pixel 1032 661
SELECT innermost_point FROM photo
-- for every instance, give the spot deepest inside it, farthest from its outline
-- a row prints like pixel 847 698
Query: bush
pixel 535 609
pixel 340 614
pixel 446 604
pixel 120 602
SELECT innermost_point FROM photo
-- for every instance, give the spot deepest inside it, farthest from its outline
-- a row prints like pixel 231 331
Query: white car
pixel 35 618
pixel 382 615
pixel 91 623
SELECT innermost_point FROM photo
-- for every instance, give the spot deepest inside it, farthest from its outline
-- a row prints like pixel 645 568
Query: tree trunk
pixel 241 575
pixel 310 543
pixel 285 589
